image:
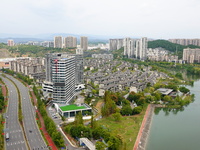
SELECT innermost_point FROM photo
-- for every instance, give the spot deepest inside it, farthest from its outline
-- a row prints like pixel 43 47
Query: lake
pixel 177 129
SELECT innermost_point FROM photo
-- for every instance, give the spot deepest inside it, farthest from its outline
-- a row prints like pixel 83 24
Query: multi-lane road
pixel 33 135
pixel 16 137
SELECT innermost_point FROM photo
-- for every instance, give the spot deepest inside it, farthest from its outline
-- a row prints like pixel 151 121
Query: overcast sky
pixel 134 18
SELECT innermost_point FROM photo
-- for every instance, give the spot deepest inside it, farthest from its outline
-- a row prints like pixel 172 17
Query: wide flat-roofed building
pixel 69 111
pixel 164 91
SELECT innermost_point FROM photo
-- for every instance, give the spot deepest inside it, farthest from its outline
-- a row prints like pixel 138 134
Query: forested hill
pixel 170 46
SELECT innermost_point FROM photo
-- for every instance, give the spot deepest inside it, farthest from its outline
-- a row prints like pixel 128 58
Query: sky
pixel 160 19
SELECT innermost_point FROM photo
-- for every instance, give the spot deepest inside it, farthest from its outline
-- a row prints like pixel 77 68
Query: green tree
pixel 117 116
pixel 137 110
pixel 126 110
pixel 78 119
pixel 100 145
pixel 184 89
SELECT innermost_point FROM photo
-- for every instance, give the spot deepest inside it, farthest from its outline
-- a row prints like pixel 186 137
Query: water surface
pixel 177 130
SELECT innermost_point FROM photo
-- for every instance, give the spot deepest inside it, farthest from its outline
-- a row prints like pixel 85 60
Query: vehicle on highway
pixel 7 137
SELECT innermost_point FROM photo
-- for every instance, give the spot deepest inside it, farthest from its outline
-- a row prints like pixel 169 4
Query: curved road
pixel 16 141
pixel 32 132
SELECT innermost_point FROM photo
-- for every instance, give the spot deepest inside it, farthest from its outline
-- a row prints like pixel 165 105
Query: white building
pixel 60 70
pixel 58 43
pixel 70 41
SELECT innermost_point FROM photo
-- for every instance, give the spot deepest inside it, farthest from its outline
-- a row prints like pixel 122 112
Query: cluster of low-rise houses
pixel 119 75
pixel 29 66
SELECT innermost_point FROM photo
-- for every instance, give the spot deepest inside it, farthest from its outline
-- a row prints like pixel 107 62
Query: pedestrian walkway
pixel 138 143
pixel 46 134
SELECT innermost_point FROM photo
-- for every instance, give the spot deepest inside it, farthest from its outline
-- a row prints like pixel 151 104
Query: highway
pixel 12 126
pixel 34 137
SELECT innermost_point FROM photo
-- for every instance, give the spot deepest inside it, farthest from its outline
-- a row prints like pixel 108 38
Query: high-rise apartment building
pixel 11 43
pixel 191 55
pixel 74 42
pixel 115 44
pixel 186 41
pixel 70 41
pixel 84 43
pixel 58 43
pixel 135 48
pixel 143 48
pixel 129 47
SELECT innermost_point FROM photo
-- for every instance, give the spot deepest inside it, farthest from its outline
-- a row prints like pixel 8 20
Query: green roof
pixel 71 107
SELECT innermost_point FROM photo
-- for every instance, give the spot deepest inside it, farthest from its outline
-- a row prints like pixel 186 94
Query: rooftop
pixel 165 91
pixel 72 107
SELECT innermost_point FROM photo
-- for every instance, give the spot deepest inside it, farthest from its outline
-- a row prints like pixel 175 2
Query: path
pixel 143 132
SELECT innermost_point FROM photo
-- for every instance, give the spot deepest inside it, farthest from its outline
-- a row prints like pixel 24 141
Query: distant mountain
pixel 50 36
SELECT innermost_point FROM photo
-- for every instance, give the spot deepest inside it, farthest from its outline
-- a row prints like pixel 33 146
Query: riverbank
pixel 141 140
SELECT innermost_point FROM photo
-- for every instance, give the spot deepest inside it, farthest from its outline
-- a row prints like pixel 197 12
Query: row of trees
pixel 2 105
pixel 18 75
pixel 37 51
pixel 49 124
pixel 2 102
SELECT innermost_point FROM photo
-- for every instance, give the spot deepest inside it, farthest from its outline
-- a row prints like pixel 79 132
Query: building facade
pixel 115 44
pixel 58 43
pixel 186 41
pixel 84 43
pixel 191 55
pixel 103 56
pixel 11 43
pixel 70 42
pixel 63 71
pixel 135 48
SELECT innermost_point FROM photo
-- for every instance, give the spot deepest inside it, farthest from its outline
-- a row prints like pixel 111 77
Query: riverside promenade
pixel 141 140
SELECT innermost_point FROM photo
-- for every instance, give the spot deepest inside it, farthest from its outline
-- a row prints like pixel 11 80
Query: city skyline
pixel 150 18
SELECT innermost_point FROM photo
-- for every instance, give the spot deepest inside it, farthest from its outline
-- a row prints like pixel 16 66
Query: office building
pixel 84 43
pixel 11 43
pixel 60 71
pixel 63 72
pixel 58 43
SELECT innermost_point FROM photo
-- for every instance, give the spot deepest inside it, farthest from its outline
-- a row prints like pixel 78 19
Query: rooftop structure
pixel 69 111
pixel 164 91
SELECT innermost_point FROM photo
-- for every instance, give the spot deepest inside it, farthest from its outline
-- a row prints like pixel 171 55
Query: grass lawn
pixel 71 107
pixel 127 128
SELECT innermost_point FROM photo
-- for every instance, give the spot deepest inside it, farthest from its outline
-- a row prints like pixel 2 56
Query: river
pixel 177 130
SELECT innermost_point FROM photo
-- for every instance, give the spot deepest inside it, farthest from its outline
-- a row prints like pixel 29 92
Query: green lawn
pixel 127 128
pixel 71 107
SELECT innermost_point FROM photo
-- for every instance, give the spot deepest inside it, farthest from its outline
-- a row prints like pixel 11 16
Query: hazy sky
pixel 150 18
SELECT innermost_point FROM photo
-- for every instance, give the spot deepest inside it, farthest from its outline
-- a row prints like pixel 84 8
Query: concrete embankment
pixel 141 140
